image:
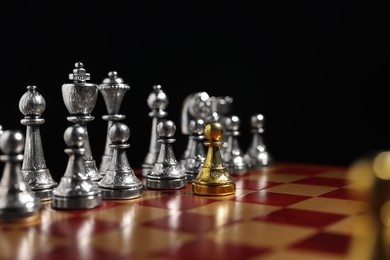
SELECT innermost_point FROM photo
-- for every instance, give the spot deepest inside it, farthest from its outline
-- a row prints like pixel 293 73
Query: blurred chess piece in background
pixel 196 150
pixel 232 154
pixel 222 109
pixel 157 102
pixel 257 155
pixel 370 178
pixel 195 106
pixel 17 201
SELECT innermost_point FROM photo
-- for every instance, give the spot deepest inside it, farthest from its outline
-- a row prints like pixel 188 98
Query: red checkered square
pixel 343 194
pixel 254 184
pixel 78 251
pixel 303 169
pixel 177 202
pixel 209 249
pixel 187 222
pixel 319 181
pixel 326 242
pixel 77 227
pixel 270 198
pixel 301 218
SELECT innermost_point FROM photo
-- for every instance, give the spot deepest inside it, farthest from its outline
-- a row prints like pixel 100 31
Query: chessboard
pixel 287 211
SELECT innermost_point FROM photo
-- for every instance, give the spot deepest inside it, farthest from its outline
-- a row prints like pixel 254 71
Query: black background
pixel 317 70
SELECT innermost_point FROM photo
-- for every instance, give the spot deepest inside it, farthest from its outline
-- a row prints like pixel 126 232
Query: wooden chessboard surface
pixel 288 211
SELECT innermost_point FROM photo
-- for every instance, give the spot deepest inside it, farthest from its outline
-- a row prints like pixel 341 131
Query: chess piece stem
pixel 113 90
pixel 37 175
pixel 213 178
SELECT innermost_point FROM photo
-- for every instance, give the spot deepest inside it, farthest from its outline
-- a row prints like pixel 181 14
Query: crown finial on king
pixel 79 74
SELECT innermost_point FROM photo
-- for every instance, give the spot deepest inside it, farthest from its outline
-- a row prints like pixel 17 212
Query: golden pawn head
pixel 213 178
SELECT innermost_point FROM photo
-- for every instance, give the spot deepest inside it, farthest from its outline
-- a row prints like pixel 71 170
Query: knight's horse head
pixel 196 106
pixel 200 105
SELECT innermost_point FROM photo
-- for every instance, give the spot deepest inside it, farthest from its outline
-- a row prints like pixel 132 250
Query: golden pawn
pixel 213 178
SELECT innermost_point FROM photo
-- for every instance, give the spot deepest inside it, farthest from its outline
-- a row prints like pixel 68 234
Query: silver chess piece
pixel 113 90
pixel 1 130
pixel 80 99
pixel 120 181
pixel 17 201
pixel 257 155
pixel 157 102
pixel 195 106
pixel 76 190
pixel 222 108
pixel 196 151
pixel 232 154
pixel 36 174
pixel 167 172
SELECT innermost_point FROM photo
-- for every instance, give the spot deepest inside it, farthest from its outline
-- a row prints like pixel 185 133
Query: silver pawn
pixel 167 172
pixel 120 181
pixel 76 190
pixel 196 151
pixel 17 201
pixel 157 102
pixel 36 174
pixel 80 99
pixel 257 155
pixel 113 90
pixel 232 155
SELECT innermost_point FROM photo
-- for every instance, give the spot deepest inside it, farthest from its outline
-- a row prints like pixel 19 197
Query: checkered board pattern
pixel 289 211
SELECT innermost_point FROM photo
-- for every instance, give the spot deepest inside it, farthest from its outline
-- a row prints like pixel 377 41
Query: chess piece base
pixel 259 160
pixel 106 160
pixel 35 218
pixel 237 169
pixel 16 214
pixel 43 194
pixel 213 190
pixel 87 202
pixel 92 171
pixel 166 184
pixel 190 177
pixel 146 169
pixel 117 194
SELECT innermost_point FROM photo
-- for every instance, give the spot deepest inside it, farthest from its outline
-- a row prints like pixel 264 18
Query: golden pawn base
pixel 213 190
